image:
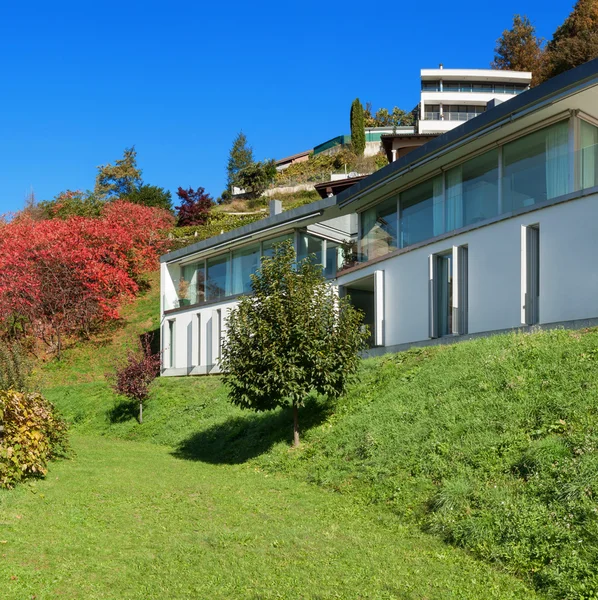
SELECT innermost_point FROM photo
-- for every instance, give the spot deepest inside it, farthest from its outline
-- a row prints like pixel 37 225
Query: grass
pixel 489 445
pixel 129 520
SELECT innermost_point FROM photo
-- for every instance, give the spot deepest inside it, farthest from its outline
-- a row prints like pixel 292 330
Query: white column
pixel 379 308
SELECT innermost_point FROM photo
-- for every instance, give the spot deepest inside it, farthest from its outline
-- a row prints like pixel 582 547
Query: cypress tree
pixel 357 127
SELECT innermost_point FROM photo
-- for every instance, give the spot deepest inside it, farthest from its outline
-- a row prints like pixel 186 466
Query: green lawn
pixel 487 447
pixel 129 520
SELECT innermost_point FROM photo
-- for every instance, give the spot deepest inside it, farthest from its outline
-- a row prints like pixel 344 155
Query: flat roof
pixel 477 75
pixel 558 87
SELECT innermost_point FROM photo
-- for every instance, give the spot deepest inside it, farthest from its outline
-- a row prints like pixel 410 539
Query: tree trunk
pixel 295 426
pixel 140 413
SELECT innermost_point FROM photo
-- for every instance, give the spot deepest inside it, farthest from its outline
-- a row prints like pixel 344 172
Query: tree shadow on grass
pixel 239 439
pixel 122 411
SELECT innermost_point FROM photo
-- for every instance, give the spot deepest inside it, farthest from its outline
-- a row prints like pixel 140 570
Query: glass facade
pixel 483 87
pixel 472 191
pixel 379 228
pixel 308 245
pixel 268 245
pixel 535 167
pixel 191 284
pixel 245 262
pixel 421 212
pixel 229 274
pixel 334 259
pixel 217 281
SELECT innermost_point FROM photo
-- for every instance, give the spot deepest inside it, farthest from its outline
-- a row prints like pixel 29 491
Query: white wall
pixel 194 355
pixel 568 273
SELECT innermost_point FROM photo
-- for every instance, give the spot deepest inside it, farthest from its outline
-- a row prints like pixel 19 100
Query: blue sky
pixel 83 80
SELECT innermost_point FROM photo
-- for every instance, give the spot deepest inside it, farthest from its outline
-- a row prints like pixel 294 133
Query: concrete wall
pixel 568 273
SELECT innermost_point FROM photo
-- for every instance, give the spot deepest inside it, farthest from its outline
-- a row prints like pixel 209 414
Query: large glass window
pixel 472 191
pixel 430 86
pixel 245 263
pixel 308 244
pixel 268 245
pixel 536 167
pixel 422 212
pixel 334 259
pixel 379 229
pixel 217 282
pixel 588 159
pixel 191 284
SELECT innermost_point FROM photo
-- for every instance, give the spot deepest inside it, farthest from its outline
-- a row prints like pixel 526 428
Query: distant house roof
pixel 387 140
pixel 293 157
pixel 332 188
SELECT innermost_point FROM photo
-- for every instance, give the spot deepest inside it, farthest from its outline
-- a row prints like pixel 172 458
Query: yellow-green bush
pixel 31 435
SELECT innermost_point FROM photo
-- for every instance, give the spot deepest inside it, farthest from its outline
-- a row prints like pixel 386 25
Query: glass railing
pixel 451 116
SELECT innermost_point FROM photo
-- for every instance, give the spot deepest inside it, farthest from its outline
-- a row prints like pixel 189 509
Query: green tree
pixel 119 180
pixel 151 195
pixel 385 118
pixel 291 337
pixel 357 127
pixel 575 41
pixel 257 177
pixel 239 158
pixel 71 204
pixel 519 49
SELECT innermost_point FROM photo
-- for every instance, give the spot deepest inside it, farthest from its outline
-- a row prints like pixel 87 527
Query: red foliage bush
pixel 60 277
pixel 133 378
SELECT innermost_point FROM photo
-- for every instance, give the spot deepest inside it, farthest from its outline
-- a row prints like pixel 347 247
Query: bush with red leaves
pixel 133 378
pixel 66 277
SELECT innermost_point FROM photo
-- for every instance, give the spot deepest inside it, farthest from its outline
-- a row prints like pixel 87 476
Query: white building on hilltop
pixel 451 96
pixel 489 227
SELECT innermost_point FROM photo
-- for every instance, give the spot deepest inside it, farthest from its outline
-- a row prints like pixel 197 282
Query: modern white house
pixel 451 96
pixel 492 226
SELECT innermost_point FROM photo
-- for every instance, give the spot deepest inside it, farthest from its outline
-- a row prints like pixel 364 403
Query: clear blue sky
pixel 83 80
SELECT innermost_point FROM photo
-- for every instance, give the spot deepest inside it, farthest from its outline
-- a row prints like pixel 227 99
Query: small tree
pixel 118 180
pixel 293 336
pixel 257 177
pixel 240 157
pixel 151 195
pixel 357 128
pixel 133 378
pixel 519 49
pixel 194 208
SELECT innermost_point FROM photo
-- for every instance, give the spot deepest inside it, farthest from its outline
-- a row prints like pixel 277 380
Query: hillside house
pixel 491 226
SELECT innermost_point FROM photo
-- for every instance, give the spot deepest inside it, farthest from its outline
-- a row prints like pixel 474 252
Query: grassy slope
pixel 450 438
pixel 128 520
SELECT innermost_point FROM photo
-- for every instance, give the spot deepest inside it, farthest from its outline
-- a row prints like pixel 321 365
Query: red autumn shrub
pixel 63 277
pixel 133 378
